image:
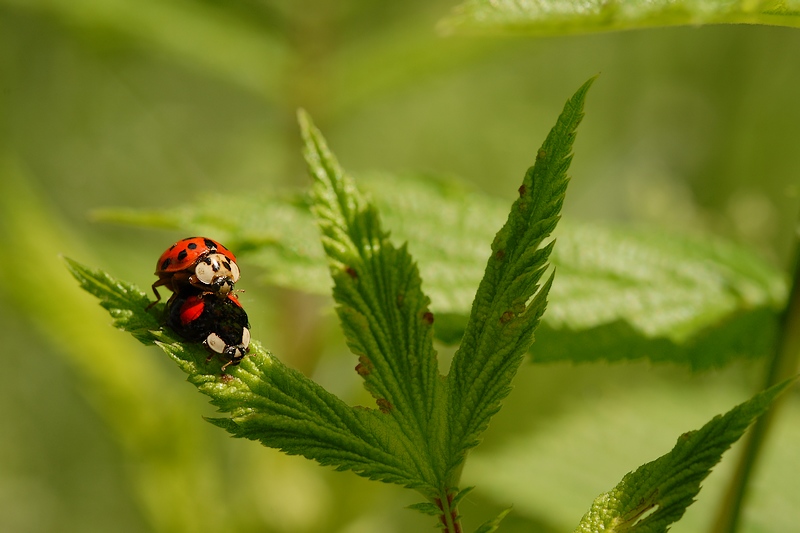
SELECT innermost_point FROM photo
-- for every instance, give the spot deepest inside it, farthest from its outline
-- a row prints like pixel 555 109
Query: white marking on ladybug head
pixel 216 269
pixel 216 343
pixel 234 270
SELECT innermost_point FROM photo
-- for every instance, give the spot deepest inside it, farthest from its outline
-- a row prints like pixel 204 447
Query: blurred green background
pixel 149 104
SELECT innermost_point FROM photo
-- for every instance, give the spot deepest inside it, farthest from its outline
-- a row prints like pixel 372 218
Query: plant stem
pixel 449 516
pixel 783 366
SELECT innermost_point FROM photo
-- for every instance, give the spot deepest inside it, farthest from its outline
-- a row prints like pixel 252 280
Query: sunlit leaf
pixel 554 17
pixel 658 493
pixel 512 295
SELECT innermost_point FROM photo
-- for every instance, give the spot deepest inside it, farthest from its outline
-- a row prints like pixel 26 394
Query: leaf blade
pixel 510 299
pixel 657 493
pixel 383 311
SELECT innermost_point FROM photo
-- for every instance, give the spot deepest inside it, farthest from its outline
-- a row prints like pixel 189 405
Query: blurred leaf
pixel 494 523
pixel 658 493
pixel 205 35
pixel 553 17
pixel 425 508
pixel 620 293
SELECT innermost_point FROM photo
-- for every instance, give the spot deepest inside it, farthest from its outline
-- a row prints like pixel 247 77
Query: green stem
pixel 784 365
pixel 449 517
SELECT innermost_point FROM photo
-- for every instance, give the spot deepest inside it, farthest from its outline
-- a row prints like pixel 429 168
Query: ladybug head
pixel 219 272
pixel 233 352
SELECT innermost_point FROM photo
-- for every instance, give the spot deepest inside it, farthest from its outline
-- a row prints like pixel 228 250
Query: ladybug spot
pixel 182 255
pixel 191 245
pixel 211 245
pixel 165 263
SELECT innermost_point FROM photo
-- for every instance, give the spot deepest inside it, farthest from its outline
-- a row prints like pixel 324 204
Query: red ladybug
pixel 196 265
pixel 221 324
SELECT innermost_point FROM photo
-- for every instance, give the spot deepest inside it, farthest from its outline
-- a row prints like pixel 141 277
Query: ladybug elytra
pixel 196 265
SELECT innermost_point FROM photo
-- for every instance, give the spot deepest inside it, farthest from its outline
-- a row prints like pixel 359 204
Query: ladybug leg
pixel 158 296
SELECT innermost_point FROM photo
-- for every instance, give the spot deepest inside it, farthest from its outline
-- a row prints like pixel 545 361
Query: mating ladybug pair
pixel 202 273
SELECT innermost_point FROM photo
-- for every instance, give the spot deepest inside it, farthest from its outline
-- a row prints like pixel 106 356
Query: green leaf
pixel 427 508
pixel 658 493
pixel 124 302
pixel 382 308
pixel 510 299
pixel 494 523
pixel 552 17
pixel 267 401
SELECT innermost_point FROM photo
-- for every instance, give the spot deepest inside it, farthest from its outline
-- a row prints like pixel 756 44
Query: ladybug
pixel 196 265
pixel 221 324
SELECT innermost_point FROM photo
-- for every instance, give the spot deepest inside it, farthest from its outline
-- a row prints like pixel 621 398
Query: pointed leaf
pixel 382 308
pixel 510 300
pixel 427 508
pixel 658 493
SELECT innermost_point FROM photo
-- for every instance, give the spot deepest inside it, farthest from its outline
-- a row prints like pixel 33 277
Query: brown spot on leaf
pixel 522 190
pixel 428 317
pixel 506 317
pixel 541 154
pixel 500 254
pixel 384 405
pixel 364 366
pixel 351 272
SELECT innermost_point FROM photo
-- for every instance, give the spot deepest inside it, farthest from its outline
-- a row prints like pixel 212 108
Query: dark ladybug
pixel 221 324
pixel 196 265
